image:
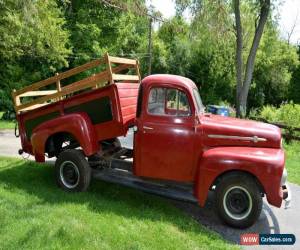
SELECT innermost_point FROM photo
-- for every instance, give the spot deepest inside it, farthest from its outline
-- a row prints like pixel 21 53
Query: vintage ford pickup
pixel 179 151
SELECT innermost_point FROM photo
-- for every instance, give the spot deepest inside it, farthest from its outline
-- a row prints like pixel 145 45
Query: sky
pixel 289 13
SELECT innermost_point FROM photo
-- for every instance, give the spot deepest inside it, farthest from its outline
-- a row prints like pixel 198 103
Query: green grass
pixel 35 214
pixel 293 161
pixel 6 124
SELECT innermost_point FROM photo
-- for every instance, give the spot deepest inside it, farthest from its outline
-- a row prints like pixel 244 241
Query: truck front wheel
pixel 72 171
pixel 238 200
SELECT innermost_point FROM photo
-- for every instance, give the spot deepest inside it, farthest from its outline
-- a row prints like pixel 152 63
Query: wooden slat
pixel 80 69
pixel 85 83
pixel 16 99
pixel 36 85
pixel 120 60
pixel 35 106
pixel 121 68
pixel 61 76
pixel 137 68
pixel 94 81
pixel 80 85
pixel 38 93
pixel 58 86
pixel 119 77
pixel 109 68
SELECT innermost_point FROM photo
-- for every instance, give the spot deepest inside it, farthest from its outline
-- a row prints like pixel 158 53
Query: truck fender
pixel 78 125
pixel 266 164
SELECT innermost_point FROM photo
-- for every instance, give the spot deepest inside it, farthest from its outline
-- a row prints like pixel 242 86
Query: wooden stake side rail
pixel 49 96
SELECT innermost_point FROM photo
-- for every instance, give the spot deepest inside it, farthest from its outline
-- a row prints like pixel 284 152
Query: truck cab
pixel 165 139
pixel 179 151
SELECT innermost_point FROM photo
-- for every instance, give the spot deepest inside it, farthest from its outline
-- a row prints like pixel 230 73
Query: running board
pixel 125 178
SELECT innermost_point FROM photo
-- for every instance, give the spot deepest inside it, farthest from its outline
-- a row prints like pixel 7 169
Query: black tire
pixel 72 171
pixel 238 200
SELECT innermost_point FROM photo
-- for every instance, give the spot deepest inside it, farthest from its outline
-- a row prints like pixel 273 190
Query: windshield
pixel 199 103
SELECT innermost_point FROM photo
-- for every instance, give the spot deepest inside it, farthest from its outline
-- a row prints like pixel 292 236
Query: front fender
pixel 78 125
pixel 266 164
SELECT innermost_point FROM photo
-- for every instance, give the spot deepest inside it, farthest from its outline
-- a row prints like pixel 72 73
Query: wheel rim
pixel 69 174
pixel 237 203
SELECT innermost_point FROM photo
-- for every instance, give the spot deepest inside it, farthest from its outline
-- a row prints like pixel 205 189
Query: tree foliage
pixel 275 62
pixel 39 38
pixel 294 86
pixel 34 43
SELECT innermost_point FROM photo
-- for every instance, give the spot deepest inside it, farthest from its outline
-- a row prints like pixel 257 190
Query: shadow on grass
pixel 38 180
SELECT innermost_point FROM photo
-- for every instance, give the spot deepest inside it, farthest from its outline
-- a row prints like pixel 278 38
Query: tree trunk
pixel 150 46
pixel 239 55
pixel 244 90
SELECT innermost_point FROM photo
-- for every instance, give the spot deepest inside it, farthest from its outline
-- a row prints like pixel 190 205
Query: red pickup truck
pixel 179 151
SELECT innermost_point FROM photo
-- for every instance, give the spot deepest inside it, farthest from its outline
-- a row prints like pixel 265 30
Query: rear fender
pixel 266 164
pixel 78 125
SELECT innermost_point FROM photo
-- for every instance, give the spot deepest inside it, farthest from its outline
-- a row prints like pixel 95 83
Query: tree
pixel 174 33
pixel 39 38
pixel 275 63
pixel 244 79
pixel 201 9
pixel 294 88
pixel 34 44
pixel 211 54
pixel 99 26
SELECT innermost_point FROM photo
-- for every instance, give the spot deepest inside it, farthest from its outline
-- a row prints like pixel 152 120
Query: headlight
pixel 283 177
pixel 281 143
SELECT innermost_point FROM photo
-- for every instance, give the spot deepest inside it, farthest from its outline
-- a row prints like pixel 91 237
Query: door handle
pixel 147 128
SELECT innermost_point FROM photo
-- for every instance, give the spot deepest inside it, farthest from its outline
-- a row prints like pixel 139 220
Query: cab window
pixel 168 101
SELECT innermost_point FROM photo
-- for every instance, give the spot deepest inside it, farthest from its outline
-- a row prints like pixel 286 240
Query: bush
pixel 288 114
pixel 8 115
pixel 270 113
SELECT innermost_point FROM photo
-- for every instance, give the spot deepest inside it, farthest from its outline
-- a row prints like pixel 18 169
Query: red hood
pixel 226 131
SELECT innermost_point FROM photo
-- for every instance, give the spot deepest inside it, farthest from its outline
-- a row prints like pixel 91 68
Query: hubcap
pixel 69 174
pixel 237 202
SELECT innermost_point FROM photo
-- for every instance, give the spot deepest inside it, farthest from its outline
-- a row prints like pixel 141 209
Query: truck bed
pixel 111 108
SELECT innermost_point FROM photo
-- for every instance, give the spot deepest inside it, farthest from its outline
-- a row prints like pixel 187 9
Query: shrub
pixel 270 113
pixel 287 113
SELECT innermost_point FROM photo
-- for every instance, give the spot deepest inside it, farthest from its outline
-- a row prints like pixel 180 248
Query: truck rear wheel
pixel 238 200
pixel 72 171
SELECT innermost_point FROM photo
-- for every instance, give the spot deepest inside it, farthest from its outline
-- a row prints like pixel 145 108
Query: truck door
pixel 164 140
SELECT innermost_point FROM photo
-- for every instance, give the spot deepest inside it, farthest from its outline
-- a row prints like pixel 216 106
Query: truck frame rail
pixel 32 97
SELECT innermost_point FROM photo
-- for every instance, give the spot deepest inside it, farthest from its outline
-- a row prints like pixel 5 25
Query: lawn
pixel 6 124
pixel 293 162
pixel 35 214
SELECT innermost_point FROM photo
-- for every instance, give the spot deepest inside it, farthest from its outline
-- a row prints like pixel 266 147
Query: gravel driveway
pixel 272 220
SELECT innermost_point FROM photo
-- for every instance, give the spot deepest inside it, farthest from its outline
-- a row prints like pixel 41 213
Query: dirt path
pixel 9 144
